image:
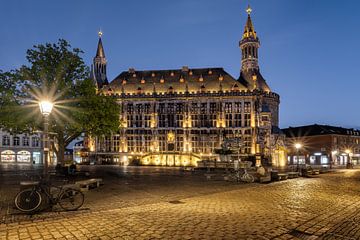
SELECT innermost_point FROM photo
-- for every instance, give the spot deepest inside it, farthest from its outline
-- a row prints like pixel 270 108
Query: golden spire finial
pixel 249 10
pixel 100 33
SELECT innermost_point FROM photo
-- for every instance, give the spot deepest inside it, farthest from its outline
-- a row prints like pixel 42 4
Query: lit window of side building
pixel 178 117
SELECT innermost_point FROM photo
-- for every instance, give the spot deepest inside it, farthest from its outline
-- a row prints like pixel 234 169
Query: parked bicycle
pixel 240 172
pixel 30 199
pixel 240 175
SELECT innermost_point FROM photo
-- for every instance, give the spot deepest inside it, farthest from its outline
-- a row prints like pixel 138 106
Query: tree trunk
pixel 61 153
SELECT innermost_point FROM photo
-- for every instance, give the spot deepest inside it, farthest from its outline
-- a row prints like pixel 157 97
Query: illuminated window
pixel 324 160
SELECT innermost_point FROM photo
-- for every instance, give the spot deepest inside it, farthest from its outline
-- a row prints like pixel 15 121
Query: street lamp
pixel 298 146
pixel 45 109
pixel 349 153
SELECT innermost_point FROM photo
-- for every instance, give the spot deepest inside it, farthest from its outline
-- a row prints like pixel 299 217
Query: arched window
pixel 23 156
pixel 6 140
pixel 16 141
pixel 8 156
pixel 25 141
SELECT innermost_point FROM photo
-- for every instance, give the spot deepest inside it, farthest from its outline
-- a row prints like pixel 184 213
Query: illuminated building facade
pixel 323 145
pixel 177 117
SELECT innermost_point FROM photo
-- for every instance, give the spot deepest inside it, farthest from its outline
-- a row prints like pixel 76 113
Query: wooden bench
pixel 283 176
pixel 89 183
pixel 209 176
pixel 265 179
pixel 293 174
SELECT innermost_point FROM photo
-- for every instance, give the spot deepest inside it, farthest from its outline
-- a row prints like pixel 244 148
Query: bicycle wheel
pixel 248 178
pixel 28 200
pixel 71 199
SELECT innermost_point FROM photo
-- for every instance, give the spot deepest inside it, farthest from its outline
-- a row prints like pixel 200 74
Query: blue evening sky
pixel 309 49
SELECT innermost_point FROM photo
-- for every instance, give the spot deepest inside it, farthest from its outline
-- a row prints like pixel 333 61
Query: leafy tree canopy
pixel 56 72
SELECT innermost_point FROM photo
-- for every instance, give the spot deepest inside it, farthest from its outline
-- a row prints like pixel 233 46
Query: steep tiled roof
pixel 313 130
pixel 178 80
pixel 253 76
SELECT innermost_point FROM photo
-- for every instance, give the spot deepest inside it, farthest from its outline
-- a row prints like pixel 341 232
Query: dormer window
pixel 142 81
pixel 254 77
pixel 134 75
pixel 202 88
pixel 124 82
pixel 172 74
pixel 170 90
pixel 201 79
pixel 139 90
pixel 153 74
pixel 210 72
pixel 221 78
pixel 162 80
pixel 182 79
pixel 191 73
pixel 235 88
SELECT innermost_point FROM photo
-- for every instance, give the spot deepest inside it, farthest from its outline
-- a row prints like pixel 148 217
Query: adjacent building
pixel 177 117
pixel 20 148
pixel 323 145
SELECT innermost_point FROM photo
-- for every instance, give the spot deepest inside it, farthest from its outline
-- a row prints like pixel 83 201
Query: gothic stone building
pixel 177 117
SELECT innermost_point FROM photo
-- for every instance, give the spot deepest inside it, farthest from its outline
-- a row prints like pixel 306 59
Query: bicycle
pixel 245 177
pixel 30 199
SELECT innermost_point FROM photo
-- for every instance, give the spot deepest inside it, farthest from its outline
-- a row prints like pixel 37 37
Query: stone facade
pixel 177 117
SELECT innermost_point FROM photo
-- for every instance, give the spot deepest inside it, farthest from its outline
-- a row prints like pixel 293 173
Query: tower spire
pixel 99 64
pixel 249 44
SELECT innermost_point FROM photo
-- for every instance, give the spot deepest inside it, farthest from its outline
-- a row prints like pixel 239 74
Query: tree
pixel 56 72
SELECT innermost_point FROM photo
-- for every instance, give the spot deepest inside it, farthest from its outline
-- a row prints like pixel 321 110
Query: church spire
pixel 100 49
pixel 99 64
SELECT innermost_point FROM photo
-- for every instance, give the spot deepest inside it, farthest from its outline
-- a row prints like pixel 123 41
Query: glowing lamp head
pixel 46 107
pixel 347 151
pixel 298 146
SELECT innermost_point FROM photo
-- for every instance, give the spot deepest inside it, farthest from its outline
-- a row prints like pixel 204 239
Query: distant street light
pixel 298 146
pixel 45 109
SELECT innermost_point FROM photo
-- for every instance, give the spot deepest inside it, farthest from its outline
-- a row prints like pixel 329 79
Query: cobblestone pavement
pixel 188 207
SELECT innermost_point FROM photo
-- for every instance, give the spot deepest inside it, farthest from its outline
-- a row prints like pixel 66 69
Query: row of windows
pixel 25 141
pixel 213 107
pixel 197 120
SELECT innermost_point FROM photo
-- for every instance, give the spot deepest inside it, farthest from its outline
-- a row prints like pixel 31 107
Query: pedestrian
pixel 72 168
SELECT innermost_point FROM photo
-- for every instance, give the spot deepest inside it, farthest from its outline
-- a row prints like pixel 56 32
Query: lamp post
pixel 298 146
pixel 349 153
pixel 45 109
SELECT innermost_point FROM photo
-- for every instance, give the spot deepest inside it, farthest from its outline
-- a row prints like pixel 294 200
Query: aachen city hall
pixel 177 117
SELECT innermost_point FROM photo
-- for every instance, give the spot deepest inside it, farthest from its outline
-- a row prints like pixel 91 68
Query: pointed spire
pixel 100 49
pixel 249 30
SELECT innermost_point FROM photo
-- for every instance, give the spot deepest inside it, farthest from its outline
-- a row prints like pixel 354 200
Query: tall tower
pixel 98 69
pixel 249 44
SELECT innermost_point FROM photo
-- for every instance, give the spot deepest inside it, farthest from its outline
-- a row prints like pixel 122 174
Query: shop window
pixel 8 156
pixel 23 156
pixel 324 160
